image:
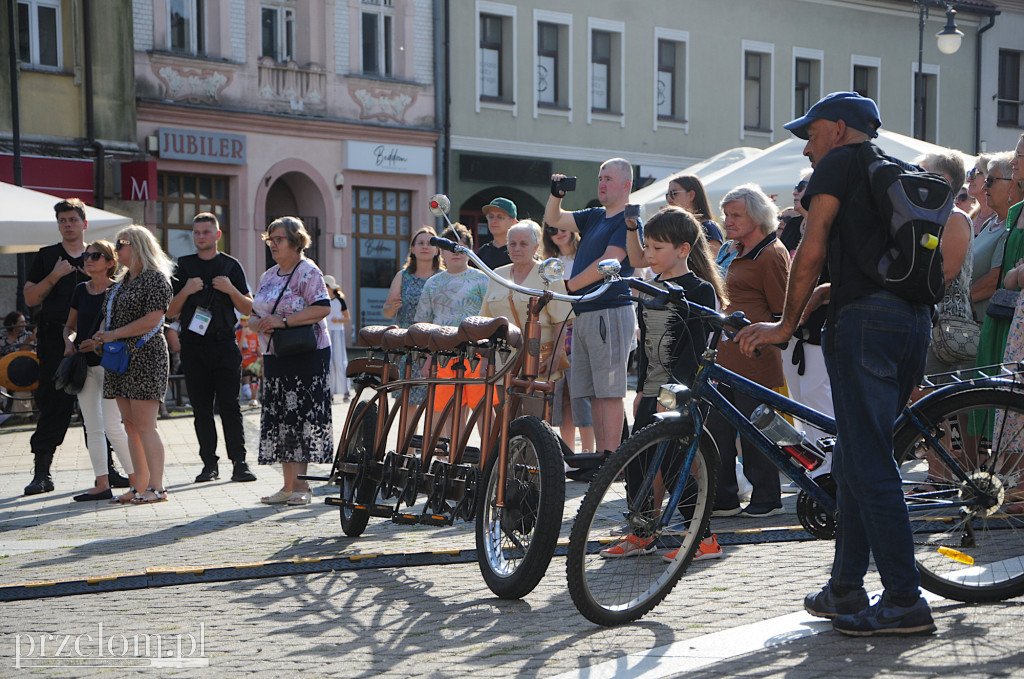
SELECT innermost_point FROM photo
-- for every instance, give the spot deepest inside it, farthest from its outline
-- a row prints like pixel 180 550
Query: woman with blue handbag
pixel 135 355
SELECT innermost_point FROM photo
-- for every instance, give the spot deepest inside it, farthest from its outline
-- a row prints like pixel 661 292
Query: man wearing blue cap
pixel 874 364
pixel 501 214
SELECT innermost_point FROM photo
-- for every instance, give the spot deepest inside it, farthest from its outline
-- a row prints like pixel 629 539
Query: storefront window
pixel 381 221
pixel 180 197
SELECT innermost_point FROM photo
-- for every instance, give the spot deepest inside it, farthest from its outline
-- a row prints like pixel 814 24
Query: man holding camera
pixel 604 328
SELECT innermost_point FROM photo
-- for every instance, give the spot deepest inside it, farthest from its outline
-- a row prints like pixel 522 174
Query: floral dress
pixel 146 377
pixel 295 422
pixel 412 289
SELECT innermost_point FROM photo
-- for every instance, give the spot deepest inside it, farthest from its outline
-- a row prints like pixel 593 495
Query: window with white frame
pixel 602 72
pixel 671 84
pixel 549 62
pixel 757 88
pixel 377 35
pixel 277 33
pixel 39 42
pixel 186 29
pixel 806 79
pixel 925 101
pixel 495 57
pixel 1008 95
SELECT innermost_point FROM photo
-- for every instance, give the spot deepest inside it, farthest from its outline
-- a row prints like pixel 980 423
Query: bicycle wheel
pixel 357 487
pixel 515 543
pixel 968 534
pixel 609 589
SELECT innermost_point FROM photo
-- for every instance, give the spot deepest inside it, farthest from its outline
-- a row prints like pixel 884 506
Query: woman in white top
pixel 336 321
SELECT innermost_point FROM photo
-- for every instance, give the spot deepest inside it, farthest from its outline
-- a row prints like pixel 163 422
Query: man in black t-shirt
pixel 501 214
pixel 874 363
pixel 55 272
pixel 208 287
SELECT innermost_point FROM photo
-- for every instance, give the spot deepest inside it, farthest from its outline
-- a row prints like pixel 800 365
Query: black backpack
pixel 914 205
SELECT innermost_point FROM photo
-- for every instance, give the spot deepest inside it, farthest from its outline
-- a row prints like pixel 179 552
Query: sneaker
pixel 760 511
pixel 208 474
pixel 825 604
pixel 630 546
pixel 727 512
pixel 707 550
pixel 885 617
pixel 242 473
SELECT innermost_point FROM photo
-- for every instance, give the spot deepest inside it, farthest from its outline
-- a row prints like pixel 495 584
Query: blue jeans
pixel 875 355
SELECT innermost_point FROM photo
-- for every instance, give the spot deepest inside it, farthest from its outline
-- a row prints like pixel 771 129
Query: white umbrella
pixel 27 222
pixel 777 169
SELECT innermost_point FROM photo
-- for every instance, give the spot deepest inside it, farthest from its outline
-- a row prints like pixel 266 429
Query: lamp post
pixel 949 39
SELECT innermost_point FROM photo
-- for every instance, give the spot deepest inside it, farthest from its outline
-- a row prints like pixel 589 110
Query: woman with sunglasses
pixel 568 413
pixel 295 422
pixel 137 303
pixel 101 416
pixel 990 243
pixel 687 191
pixel 976 190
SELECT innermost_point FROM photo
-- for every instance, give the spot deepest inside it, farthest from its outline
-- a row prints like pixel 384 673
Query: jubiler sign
pixel 204 147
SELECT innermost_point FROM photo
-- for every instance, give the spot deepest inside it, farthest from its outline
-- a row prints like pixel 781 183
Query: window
pixel 1008 99
pixel 493 78
pixel 277 29
pixel 39 33
pixel 381 221
pixel 601 74
pixel 671 89
pixel 864 76
pixel 547 64
pixel 186 29
pixel 377 36
pixel 606 69
pixel 180 197
pixel 757 86
pixel 802 97
pixel 925 92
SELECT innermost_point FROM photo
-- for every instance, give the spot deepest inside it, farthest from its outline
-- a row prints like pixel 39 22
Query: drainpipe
pixel 442 94
pixel 977 81
pixel 99 169
pixel 12 58
pixel 447 96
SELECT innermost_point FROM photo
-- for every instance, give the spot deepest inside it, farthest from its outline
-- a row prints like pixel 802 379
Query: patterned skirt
pixel 295 424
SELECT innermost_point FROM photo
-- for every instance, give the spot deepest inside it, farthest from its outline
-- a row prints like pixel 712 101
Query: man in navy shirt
pixel 604 328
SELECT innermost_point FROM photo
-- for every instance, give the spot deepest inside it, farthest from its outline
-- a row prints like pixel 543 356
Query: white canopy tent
pixel 655 191
pixel 775 169
pixel 27 222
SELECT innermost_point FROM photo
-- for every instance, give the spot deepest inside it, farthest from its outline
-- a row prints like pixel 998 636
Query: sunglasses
pixel 552 231
pixel 990 180
pixel 800 186
pixel 963 197
pixel 121 244
pixel 973 172
pixel 94 255
pixel 672 194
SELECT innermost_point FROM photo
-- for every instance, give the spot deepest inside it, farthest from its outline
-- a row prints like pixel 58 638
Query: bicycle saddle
pixel 371 335
pixel 419 335
pixel 374 366
pixel 480 328
pixel 444 338
pixel 394 339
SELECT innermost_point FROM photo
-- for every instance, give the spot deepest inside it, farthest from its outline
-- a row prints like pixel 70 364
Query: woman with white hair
pixel 523 242
pixel 134 310
pixel 755 280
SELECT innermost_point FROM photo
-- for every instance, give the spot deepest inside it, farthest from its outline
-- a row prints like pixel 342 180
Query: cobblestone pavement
pixel 431 621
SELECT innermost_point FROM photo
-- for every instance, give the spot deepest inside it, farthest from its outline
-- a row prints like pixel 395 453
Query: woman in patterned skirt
pixel 136 304
pixel 295 423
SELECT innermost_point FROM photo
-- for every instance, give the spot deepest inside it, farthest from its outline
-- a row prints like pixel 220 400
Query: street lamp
pixel 949 39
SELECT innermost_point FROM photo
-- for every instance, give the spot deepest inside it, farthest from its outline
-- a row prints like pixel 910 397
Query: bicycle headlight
pixel 552 270
pixel 673 396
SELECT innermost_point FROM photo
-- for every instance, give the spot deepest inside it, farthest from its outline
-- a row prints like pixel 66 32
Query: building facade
pixel 324 110
pixel 1001 87
pixel 538 89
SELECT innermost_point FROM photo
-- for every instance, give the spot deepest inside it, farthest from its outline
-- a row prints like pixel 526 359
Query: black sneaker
pixel 885 617
pixel 117 480
pixel 208 474
pixel 39 484
pixel 242 473
pixel 825 604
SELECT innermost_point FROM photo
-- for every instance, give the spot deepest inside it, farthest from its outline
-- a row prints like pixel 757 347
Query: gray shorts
pixel 580 407
pixel 600 348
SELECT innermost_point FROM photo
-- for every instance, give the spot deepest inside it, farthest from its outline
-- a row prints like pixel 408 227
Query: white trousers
pixel 812 389
pixel 339 363
pixel 102 420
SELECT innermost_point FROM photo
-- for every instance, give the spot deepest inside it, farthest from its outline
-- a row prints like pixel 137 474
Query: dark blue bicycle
pixel 960 450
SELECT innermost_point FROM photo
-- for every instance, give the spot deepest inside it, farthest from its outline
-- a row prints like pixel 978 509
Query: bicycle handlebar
pixel 455 248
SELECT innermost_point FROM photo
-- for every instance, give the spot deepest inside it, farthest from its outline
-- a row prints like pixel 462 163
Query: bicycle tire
pixel 984 532
pixel 612 591
pixel 514 544
pixel 359 450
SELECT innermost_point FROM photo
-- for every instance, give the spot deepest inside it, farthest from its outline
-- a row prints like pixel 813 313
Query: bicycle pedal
pixel 471 455
pixel 406 519
pixel 435 520
pixel 380 511
pixel 336 501
pixel 584 459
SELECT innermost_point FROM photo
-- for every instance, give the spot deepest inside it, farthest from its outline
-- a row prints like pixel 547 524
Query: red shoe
pixel 707 550
pixel 631 545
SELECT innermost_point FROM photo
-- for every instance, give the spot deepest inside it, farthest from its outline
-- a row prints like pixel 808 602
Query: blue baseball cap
pixel 856 111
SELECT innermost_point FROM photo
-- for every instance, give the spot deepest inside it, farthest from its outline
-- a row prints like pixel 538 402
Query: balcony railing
pixel 289 86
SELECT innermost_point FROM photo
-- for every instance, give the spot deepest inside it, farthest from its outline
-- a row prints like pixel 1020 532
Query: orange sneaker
pixel 631 545
pixel 707 550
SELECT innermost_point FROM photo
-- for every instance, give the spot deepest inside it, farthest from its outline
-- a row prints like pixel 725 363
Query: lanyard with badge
pixel 202 316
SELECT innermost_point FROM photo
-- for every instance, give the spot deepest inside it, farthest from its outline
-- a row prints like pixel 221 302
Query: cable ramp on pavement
pixel 187 575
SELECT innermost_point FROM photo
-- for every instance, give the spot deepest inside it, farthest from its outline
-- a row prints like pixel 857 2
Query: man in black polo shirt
pixel 55 272
pixel 501 214
pixel 208 287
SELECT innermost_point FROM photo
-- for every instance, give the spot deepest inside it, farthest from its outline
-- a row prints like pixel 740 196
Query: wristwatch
pixel 285 321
